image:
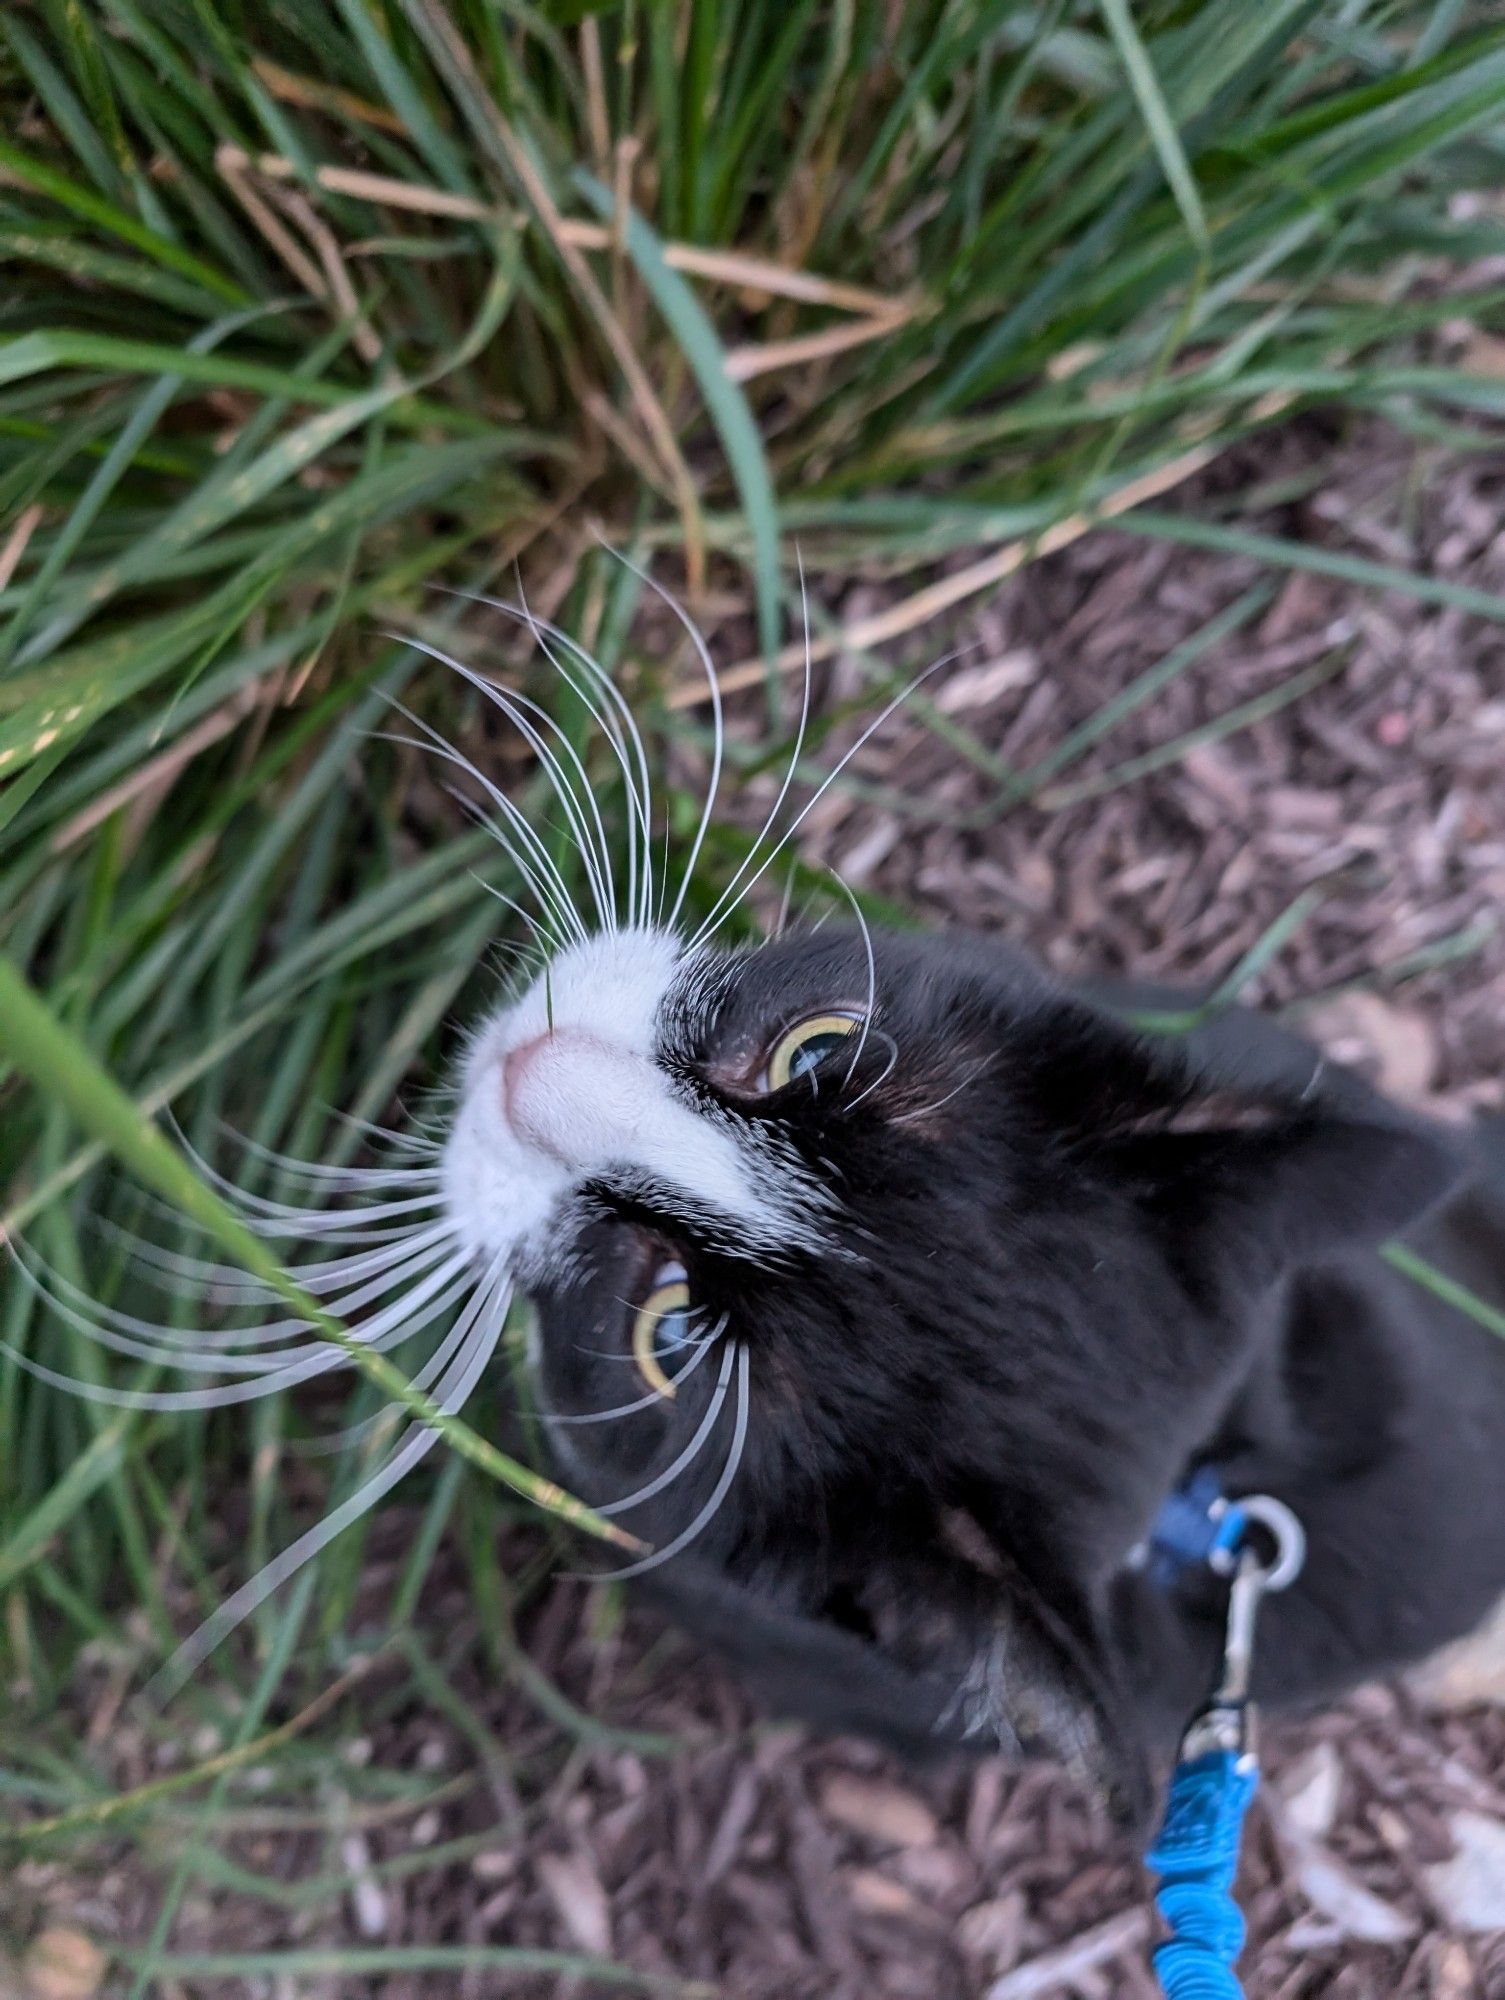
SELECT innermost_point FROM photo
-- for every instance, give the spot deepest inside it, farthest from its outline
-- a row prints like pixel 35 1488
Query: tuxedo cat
pixel 887 1288
pixel 884 1289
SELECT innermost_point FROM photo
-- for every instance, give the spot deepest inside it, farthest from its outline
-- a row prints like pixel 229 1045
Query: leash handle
pixel 1217 1774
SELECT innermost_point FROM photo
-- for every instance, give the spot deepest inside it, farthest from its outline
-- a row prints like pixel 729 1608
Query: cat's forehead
pixel 912 980
pixel 752 991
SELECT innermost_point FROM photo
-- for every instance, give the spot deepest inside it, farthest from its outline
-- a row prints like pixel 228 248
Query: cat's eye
pixel 804 1047
pixel 661 1331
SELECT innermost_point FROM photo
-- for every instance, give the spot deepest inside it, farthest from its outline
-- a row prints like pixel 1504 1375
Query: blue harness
pixel 1217 1772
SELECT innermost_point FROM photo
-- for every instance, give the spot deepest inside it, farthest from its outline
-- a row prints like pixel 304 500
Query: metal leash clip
pixel 1227 1722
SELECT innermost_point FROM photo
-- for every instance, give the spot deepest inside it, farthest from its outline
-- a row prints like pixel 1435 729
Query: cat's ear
pixel 1274 1185
pixel 1241 1131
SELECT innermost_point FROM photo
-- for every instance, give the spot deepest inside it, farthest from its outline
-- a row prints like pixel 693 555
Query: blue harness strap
pixel 1197 1527
pixel 1196 1854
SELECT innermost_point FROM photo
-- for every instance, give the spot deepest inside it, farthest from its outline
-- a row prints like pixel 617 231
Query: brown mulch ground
pixel 782 1869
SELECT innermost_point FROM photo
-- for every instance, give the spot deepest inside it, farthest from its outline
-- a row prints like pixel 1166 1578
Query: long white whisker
pixel 703 1430
pixel 872 973
pixel 425 1252
pixel 719 1492
pixel 317 1173
pixel 486 1316
pixel 731 895
pixel 594 849
pixel 413 1142
pixel 781 922
pixel 259 1211
pixel 538 870
pixel 516 838
pixel 884 1075
pixel 717 916
pixel 640 794
pixel 540 639
pixel 267 1372
pixel 423 1381
pixel 627 1409
pixel 233 1287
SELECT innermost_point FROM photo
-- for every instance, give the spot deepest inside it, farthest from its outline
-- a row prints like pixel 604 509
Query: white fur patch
pixel 584 1099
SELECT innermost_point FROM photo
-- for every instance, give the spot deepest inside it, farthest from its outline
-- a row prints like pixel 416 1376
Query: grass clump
pixel 312 309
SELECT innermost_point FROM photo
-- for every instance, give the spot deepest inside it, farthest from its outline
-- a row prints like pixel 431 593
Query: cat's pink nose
pixel 572 1095
pixel 514 1071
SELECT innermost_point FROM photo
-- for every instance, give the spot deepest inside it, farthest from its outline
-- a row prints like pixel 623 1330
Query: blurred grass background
pixel 310 309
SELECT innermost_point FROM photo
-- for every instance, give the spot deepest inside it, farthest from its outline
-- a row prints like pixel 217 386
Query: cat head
pixel 885 1289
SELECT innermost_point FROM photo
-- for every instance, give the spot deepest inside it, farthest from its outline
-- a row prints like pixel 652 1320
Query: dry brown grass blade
pixel 937 597
pixel 340 290
pixel 726 267
pixel 229 161
pixel 157 773
pixel 753 358
pixel 16 542
pixel 457 58
pixel 593 70
pixel 311 95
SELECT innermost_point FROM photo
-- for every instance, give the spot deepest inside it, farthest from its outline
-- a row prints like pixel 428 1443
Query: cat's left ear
pixel 1276 1185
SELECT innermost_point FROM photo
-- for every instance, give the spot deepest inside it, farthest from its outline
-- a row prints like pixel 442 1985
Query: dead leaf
pixel 994 1930
pixel 1310 1791
pixel 580 1900
pixel 976 687
pixel 1470 1674
pixel 1470 1888
pixel 1401 1044
pixel 879 1811
pixel 62 1964
pixel 878 1895
pixel 1330 1887
pixel 1454 1976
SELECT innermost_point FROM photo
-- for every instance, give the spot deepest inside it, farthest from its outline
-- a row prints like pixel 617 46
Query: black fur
pixel 1065 1262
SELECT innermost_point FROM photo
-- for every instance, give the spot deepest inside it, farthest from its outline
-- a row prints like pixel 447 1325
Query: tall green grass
pixel 309 310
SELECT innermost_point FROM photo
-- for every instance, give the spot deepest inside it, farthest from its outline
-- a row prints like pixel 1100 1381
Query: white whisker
pixel 886 1073
pixel 872 973
pixel 717 915
pixel 627 1409
pixel 703 1430
pixel 593 848
pixel 731 895
pixel 925 1110
pixel 538 870
pixel 234 1287
pixel 485 1318
pixel 264 1374
pixel 611 719
pixel 177 1339
pixel 718 1493
pixel 340 1178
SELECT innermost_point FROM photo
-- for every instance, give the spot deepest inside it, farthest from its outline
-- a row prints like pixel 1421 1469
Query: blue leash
pixel 1217 1772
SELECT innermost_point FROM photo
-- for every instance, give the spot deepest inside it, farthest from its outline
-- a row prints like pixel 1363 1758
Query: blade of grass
pixel 58 1063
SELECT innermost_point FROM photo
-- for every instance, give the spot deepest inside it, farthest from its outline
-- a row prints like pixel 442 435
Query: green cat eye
pixel 806 1045
pixel 661 1329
